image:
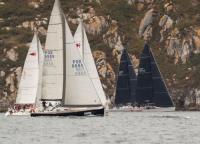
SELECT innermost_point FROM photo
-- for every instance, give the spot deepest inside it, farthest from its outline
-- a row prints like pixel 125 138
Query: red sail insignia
pixel 33 53
pixel 78 45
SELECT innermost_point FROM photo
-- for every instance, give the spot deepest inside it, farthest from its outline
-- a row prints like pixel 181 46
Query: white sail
pixel 80 90
pixel 40 61
pixel 52 88
pixel 88 59
pixel 27 91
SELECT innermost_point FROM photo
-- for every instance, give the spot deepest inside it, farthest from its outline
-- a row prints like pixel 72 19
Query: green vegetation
pixel 15 12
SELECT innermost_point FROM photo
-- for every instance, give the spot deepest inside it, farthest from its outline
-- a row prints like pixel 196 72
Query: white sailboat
pixel 82 44
pixel 80 90
pixel 29 86
pixel 65 75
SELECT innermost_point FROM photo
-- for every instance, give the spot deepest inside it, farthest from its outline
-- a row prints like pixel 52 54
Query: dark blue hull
pixel 97 112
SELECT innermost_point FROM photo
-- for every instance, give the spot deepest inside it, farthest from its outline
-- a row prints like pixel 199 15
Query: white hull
pixel 18 114
pixel 160 109
pixel 71 109
pixel 65 111
pixel 126 109
pixel 143 109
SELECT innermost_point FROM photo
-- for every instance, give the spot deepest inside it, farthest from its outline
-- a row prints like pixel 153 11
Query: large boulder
pixel 95 25
pixel 112 38
pixel 196 39
pixel 145 28
pixel 166 24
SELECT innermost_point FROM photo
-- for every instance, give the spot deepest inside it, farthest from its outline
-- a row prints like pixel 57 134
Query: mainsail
pixel 53 63
pixel 82 45
pixel 151 87
pixel 80 90
pixel 28 86
pixel 126 83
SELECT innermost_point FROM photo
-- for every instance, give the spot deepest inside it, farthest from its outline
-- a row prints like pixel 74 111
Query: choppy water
pixel 116 128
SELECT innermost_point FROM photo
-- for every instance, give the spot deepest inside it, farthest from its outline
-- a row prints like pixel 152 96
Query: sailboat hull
pixel 17 114
pixel 160 109
pixel 143 109
pixel 97 112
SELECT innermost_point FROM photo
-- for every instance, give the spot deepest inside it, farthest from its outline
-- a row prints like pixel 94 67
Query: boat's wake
pixel 171 117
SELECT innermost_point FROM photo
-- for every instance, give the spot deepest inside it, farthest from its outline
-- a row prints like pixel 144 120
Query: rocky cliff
pixel 172 27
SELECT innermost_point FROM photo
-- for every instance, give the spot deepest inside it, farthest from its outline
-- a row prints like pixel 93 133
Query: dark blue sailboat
pixel 151 88
pixel 126 83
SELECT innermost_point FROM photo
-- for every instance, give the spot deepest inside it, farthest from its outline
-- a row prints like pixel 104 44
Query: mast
pixel 64 59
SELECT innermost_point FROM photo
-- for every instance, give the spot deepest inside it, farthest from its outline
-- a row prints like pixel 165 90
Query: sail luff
pixel 40 63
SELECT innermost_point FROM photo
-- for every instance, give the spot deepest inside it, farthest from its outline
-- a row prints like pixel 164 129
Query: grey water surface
pixel 116 128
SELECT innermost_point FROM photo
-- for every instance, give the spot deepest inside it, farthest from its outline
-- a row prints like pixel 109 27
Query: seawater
pixel 116 128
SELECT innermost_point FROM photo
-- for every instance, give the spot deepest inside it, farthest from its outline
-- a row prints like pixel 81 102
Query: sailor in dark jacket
pixel 44 105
